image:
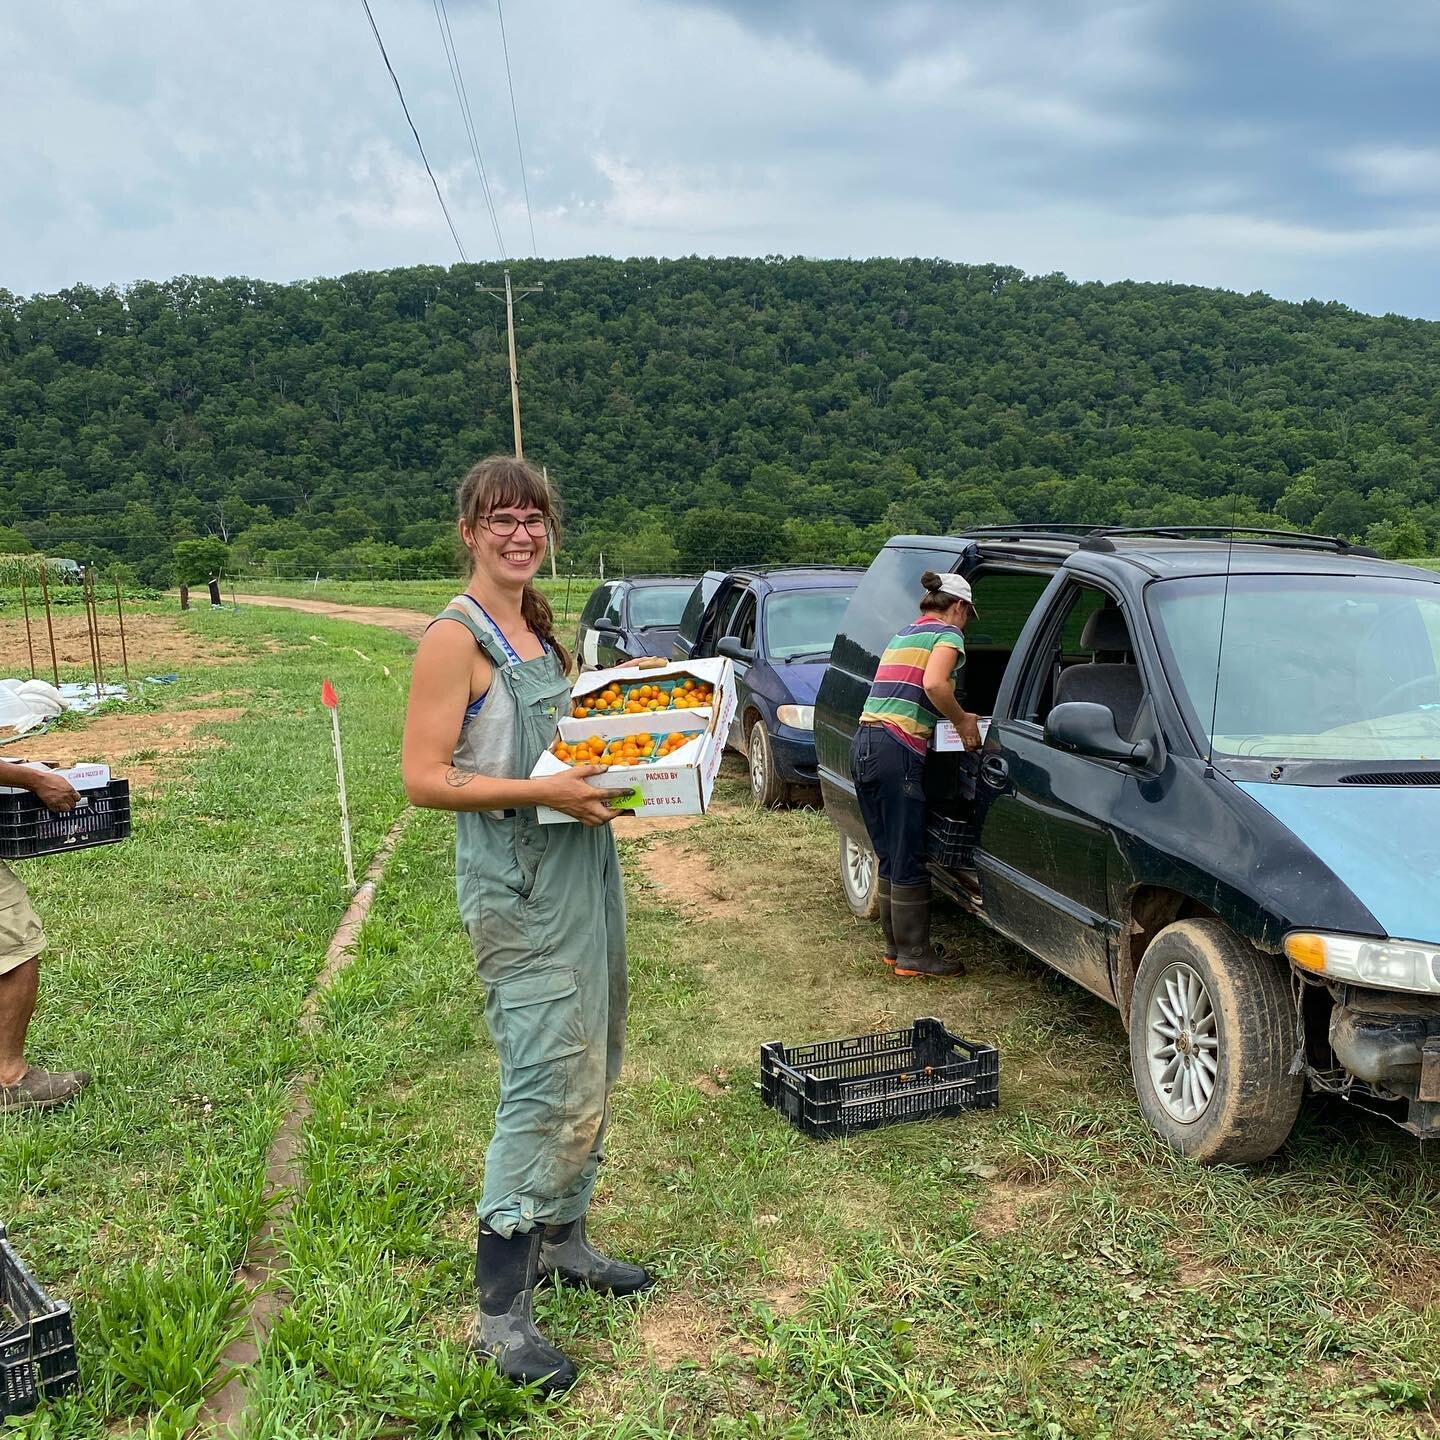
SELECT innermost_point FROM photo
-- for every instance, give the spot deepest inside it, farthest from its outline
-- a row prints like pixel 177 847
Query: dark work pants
pixel 890 786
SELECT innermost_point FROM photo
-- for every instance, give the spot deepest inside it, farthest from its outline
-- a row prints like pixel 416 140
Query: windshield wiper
pixel 807 655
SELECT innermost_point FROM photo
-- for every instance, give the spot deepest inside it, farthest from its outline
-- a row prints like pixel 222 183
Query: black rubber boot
pixel 910 915
pixel 504 1330
pixel 887 924
pixel 566 1255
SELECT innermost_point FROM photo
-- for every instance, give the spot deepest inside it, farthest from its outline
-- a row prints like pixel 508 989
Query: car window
pixel 888 598
pixel 741 623
pixel 1305 667
pixel 1003 603
pixel 615 603
pixel 595 604
pixel 801 624
pixel 657 605
pixel 1059 647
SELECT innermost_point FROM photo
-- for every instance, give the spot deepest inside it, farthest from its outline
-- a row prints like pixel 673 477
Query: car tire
pixel 769 790
pixel 859 878
pixel 1212 1035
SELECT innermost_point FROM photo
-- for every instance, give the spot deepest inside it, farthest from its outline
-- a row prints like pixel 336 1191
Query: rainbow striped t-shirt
pixel 897 698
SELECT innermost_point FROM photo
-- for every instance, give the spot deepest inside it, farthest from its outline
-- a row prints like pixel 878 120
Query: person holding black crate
pixel 22 937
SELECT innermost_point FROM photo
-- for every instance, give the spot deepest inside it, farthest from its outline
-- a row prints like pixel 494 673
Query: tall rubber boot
pixel 504 1330
pixel 910 914
pixel 887 924
pixel 566 1254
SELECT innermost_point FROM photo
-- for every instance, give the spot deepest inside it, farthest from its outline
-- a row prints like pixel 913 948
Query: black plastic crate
pixel 950 842
pixel 838 1087
pixel 37 1340
pixel 29 828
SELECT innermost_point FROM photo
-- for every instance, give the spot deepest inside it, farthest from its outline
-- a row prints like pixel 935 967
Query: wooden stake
pixel 49 623
pixel 120 616
pixel 25 606
pixel 92 624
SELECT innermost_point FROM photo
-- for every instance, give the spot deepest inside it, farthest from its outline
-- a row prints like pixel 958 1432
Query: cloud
pixel 1246 143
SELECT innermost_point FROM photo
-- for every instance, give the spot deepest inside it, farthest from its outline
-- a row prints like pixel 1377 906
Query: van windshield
pixel 1314 667
pixel 801 624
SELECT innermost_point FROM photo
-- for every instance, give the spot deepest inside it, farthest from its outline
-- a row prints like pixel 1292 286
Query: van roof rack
pixel 1101 537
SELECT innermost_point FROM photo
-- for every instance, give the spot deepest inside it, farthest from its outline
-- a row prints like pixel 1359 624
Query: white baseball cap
pixel 959 587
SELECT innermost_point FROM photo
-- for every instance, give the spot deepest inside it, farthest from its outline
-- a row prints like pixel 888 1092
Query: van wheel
pixel 769 790
pixel 859 878
pixel 1212 1033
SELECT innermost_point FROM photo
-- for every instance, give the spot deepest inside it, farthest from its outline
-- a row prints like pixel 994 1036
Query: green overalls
pixel 545 911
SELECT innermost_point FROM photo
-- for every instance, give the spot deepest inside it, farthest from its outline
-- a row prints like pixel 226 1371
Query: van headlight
pixel 798 717
pixel 1385 964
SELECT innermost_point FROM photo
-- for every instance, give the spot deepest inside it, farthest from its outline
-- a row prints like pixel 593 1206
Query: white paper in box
pixel 947 737
pixel 82 777
pixel 681 783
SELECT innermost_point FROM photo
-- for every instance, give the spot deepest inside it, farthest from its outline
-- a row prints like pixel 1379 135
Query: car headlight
pixel 800 717
pixel 1385 964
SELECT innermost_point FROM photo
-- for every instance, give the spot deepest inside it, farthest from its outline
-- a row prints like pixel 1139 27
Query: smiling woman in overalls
pixel 543 906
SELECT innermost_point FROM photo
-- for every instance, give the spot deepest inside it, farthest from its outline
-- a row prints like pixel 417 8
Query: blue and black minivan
pixel 1209 793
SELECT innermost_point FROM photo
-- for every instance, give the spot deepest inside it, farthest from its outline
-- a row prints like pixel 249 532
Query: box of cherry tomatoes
pixel 656 729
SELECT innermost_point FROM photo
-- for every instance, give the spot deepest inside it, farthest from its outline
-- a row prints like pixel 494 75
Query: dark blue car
pixel 777 626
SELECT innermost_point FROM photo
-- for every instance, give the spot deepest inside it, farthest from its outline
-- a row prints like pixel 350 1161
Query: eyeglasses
pixel 504 526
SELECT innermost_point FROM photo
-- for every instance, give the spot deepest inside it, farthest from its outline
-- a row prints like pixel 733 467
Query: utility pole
pixel 510 297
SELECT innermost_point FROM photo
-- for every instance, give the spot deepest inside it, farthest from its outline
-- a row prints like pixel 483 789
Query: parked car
pixel 777 627
pixel 1209 792
pixel 705 587
pixel 624 619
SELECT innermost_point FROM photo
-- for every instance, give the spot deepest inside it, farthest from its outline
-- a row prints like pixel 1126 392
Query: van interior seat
pixel 1112 682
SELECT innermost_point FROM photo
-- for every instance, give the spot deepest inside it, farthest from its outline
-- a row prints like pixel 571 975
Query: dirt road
pixel 407 622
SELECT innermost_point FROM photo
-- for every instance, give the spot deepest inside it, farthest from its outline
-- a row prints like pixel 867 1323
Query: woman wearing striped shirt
pixel 913 689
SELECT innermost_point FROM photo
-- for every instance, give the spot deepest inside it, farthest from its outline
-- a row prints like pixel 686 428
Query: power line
pixel 504 46
pixel 445 209
pixel 462 95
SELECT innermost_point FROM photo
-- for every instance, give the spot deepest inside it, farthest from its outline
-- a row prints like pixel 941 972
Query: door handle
pixel 995 770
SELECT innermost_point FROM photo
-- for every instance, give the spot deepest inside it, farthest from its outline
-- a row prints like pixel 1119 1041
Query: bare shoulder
pixel 447 652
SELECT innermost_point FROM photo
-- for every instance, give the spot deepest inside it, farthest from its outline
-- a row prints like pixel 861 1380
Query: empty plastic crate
pixel 950 842
pixel 37 1340
pixel 29 828
pixel 837 1087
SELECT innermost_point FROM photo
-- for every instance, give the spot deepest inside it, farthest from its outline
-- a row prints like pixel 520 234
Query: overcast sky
pixel 1285 145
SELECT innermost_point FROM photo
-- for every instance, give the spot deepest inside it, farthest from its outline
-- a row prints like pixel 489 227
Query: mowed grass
pixel 1041 1271
pixel 177 967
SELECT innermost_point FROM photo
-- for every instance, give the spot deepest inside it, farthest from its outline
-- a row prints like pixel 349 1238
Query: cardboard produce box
pixel 947 737
pixel 679 783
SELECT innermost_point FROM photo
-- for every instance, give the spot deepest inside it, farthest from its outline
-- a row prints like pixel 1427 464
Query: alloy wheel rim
pixel 759 776
pixel 859 868
pixel 1182 1044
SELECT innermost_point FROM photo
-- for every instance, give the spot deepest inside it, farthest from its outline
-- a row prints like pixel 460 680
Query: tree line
pixel 696 412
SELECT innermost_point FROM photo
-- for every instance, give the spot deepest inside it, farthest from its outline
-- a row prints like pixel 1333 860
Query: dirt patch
pixel 1005 1204
pixel 153 642
pixel 156 741
pixel 407 622
pixel 689 878
pixel 1414 1281
pixel 680 1331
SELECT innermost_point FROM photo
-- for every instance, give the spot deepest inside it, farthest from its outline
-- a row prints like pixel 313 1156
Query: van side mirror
pixel 1089 729
pixel 605 627
pixel 732 649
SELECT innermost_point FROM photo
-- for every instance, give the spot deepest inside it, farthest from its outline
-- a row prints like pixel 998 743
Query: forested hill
pixel 695 411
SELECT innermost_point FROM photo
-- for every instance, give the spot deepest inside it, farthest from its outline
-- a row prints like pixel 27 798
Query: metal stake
pixel 120 616
pixel 49 623
pixel 25 606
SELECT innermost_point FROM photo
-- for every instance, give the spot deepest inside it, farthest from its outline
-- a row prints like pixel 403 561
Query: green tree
pixel 197 561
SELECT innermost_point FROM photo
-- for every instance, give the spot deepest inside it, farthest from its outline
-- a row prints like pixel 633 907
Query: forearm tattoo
pixel 457 778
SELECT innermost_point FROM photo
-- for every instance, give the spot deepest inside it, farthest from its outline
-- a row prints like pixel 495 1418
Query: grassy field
pixel 1039 1272
pixel 567 595
pixel 178 964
